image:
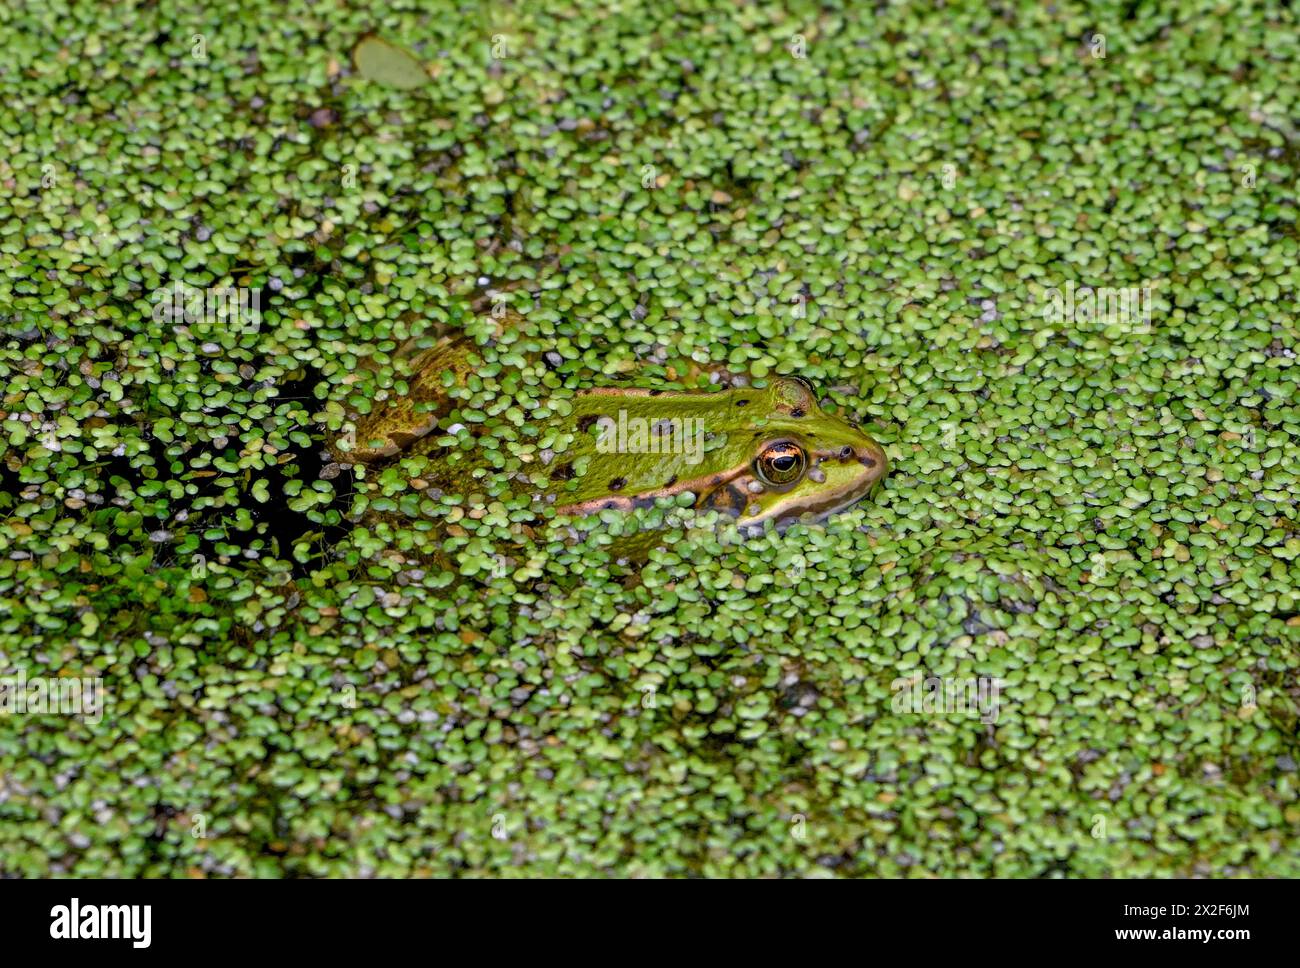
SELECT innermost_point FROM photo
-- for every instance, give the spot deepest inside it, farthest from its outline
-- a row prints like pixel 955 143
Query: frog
pixel 768 455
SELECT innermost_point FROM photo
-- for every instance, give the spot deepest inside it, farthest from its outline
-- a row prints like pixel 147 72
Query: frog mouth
pixel 846 499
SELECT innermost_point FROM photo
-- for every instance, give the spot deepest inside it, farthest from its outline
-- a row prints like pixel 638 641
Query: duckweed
pixel 312 670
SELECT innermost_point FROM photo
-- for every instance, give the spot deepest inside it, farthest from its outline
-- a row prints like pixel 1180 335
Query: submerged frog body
pixel 762 455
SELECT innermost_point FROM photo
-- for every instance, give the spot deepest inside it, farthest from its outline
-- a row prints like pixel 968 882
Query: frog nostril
pixel 846 452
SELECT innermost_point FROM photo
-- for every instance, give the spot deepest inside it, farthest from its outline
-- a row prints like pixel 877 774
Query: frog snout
pixel 869 454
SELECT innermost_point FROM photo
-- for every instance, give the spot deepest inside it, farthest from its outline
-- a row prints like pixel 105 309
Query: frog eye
pixel 781 463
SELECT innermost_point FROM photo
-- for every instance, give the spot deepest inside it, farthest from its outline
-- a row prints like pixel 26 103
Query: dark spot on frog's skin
pixel 643 502
pixel 798 412
pixel 671 481
pixel 617 483
pixel 742 402
pixel 868 462
pixel 655 393
pixel 563 472
pixel 585 422
pixel 610 505
pixel 729 498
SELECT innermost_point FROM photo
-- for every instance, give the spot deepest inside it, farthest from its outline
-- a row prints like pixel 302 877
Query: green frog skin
pixel 768 455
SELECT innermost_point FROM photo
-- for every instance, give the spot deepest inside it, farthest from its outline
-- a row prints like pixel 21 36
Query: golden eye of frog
pixel 762 455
